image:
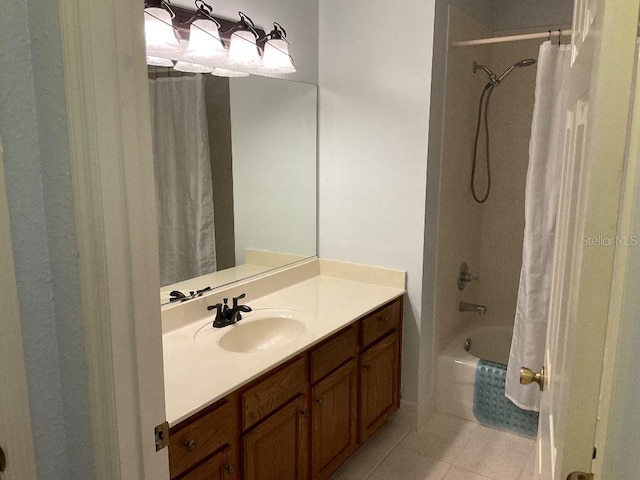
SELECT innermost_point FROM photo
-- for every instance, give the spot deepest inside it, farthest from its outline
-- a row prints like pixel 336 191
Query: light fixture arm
pixel 166 4
pixel 204 10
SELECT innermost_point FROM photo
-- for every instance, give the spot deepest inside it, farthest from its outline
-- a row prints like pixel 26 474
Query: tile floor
pixel 447 448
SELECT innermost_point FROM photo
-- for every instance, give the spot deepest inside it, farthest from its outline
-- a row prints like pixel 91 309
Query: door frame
pixel 607 134
pixel 594 265
pixel 15 419
pixel 107 104
pixel 618 369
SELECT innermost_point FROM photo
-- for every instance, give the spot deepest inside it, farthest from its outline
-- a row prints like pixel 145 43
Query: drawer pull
pixel 191 445
pixel 367 367
pixel 230 469
pixel 320 401
pixel 383 319
pixel 304 414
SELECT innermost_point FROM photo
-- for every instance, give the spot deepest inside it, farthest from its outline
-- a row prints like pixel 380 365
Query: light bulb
pixel 159 33
pixel 204 42
pixel 276 57
pixel 243 50
pixel 223 72
pixel 192 67
pixel 159 61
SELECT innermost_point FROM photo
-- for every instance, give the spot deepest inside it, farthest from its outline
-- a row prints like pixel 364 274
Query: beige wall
pixel 511 111
pixel 460 226
pixel 489 236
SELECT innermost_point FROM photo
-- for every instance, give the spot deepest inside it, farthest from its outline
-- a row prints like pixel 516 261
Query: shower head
pixel 492 76
pixel 527 62
pixel 522 63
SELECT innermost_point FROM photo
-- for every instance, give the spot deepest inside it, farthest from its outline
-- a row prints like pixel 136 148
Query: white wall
pixel 374 114
pixel 37 170
pixel 299 19
pixel 274 165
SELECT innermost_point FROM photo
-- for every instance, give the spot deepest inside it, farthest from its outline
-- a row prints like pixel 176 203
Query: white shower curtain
pixel 184 192
pixel 541 201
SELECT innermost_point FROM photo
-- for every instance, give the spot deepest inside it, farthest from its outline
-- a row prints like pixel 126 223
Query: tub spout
pixel 472 307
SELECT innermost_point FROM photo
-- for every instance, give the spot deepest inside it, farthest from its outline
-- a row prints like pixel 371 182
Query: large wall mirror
pixel 235 167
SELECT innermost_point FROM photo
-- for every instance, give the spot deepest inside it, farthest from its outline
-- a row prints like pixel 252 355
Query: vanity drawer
pixel 261 399
pixel 381 322
pixel 190 444
pixel 334 352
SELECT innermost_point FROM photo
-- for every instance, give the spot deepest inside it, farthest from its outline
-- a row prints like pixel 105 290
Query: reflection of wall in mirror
pixel 219 120
pixel 274 183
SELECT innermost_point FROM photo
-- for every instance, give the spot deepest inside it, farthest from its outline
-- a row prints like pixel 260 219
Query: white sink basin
pixel 258 331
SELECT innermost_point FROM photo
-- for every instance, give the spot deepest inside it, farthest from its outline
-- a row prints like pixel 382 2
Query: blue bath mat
pixel 492 408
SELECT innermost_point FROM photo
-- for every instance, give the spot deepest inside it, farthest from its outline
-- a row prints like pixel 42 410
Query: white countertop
pixel 197 375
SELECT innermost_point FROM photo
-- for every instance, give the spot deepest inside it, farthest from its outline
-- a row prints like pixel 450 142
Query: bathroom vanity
pixel 297 410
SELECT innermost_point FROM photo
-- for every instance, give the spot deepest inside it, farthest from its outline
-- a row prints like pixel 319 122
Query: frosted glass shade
pixel 276 57
pixel 159 61
pixel 160 36
pixel 223 72
pixel 192 67
pixel 243 50
pixel 204 42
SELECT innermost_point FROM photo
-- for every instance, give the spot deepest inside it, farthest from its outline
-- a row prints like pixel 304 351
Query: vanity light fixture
pixel 188 67
pixel 214 43
pixel 276 56
pixel 223 72
pixel 160 34
pixel 243 50
pixel 204 36
pixel 158 61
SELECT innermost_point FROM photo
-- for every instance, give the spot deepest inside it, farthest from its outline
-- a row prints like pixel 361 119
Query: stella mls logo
pixel 617 241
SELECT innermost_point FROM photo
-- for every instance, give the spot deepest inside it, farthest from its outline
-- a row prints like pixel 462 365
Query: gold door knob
pixel 528 376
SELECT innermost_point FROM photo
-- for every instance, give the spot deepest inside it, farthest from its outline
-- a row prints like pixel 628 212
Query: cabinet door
pixel 278 448
pixel 220 466
pixel 379 386
pixel 334 420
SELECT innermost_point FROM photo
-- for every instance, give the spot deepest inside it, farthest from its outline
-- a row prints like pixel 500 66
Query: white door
pixel 16 441
pixel 604 45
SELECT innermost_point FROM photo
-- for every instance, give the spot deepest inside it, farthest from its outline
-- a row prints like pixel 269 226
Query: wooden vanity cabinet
pixel 275 423
pixel 205 445
pixel 380 343
pixel 378 384
pixel 278 448
pixel 302 420
pixel 334 406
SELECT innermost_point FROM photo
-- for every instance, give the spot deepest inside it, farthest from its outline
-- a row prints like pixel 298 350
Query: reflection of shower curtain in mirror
pixel 546 148
pixel 183 178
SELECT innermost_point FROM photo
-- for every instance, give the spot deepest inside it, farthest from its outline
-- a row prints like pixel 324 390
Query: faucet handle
pixel 217 306
pixel 239 297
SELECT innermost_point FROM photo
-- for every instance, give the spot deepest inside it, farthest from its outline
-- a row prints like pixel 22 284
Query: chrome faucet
pixel 473 307
pixel 226 315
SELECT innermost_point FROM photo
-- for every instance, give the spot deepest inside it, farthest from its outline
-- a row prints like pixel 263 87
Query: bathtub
pixel 456 368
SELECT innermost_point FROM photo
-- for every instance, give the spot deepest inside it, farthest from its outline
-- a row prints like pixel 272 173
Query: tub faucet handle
pixel 464 276
pixel 473 307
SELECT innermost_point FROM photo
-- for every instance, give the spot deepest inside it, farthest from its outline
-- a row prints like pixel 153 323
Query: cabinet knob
pixel 383 319
pixel 230 469
pixel 191 445
pixel 320 401
pixel 367 367
pixel 304 414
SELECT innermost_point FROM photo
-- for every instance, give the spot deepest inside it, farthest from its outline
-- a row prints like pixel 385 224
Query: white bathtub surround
pixel 541 200
pixel 447 448
pixel 327 302
pixel 456 368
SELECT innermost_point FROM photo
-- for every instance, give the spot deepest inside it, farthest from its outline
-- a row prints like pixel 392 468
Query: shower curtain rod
pixel 513 38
